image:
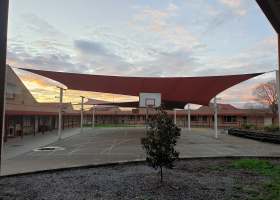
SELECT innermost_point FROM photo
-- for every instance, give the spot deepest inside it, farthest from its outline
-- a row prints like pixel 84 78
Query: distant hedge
pixel 271 128
pixel 249 126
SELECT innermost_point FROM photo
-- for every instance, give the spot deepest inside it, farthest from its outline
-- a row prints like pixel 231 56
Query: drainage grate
pixel 17 145
pixel 49 149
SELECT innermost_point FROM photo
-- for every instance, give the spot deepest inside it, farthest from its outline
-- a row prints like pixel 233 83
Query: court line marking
pixel 183 149
pixel 79 147
pixel 111 133
pixel 109 148
pixel 224 143
pixel 203 148
pixel 224 147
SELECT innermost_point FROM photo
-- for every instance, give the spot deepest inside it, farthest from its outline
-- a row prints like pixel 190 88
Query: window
pixel 244 119
pixel 27 121
pixel 204 118
pixel 9 96
pixel 104 117
pixel 229 119
pixel 194 118
pixel 143 117
pixel 138 117
pixel 132 117
pixel 213 118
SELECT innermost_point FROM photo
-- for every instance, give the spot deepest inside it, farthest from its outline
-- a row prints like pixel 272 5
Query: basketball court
pixel 110 145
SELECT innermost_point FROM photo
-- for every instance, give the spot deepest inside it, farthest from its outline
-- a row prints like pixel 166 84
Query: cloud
pixel 192 38
pixel 155 13
pixel 138 16
pixel 41 26
pixel 129 24
pixel 156 28
pixel 234 4
pixel 172 7
pixel 179 29
pixel 157 20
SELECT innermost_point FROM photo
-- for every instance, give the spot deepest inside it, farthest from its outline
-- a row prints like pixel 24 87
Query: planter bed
pixel 256 135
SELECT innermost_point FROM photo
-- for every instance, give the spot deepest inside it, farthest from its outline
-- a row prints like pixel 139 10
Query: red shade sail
pixel 175 92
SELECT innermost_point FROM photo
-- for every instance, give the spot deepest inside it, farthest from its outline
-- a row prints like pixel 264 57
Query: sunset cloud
pixel 172 7
pixel 156 28
pixel 138 16
pixel 129 24
pixel 157 20
pixel 155 13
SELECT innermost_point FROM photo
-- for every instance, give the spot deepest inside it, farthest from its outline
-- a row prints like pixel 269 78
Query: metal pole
pixel 4 10
pixel 215 118
pixel 277 82
pixel 60 113
pixel 189 117
pixel 3 127
pixel 93 117
pixel 82 114
pixel 147 118
pixel 175 116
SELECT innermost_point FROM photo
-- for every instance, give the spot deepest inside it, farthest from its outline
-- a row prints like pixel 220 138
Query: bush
pixel 271 128
pixel 160 141
pixel 249 126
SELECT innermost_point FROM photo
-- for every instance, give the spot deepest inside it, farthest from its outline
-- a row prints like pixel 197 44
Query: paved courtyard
pixel 108 145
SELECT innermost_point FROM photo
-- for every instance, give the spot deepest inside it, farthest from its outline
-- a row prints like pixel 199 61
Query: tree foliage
pixel 160 141
pixel 265 96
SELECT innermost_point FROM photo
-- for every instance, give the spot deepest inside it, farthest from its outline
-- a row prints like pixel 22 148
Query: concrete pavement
pixel 108 145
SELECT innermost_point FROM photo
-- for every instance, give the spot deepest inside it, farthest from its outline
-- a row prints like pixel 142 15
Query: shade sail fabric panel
pixel 197 90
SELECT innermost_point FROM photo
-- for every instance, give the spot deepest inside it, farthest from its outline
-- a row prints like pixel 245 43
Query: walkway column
pixel 4 8
pixel 93 117
pixel 189 117
pixel 4 106
pixel 82 108
pixel 60 112
pixel 215 117
pixel 147 119
pixel 175 116
pixel 277 83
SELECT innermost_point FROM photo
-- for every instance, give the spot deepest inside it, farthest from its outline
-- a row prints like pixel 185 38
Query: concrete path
pixel 108 145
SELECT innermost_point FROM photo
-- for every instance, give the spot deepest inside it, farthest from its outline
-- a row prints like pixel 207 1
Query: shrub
pixel 160 141
pixel 271 128
pixel 249 126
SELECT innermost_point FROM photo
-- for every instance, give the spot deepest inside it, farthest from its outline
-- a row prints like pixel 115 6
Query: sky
pixel 144 38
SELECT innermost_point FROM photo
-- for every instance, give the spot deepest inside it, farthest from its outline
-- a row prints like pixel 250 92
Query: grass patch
pixel 108 125
pixel 221 189
pixel 144 198
pixel 273 189
pixel 237 187
pixel 261 167
pixel 253 193
pixel 117 184
pixel 215 168
pixel 235 195
pixel 248 183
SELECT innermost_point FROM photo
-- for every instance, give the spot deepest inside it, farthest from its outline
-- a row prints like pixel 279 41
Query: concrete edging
pixel 126 162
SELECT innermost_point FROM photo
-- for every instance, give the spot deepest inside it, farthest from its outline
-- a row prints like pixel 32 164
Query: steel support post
pixel 189 117
pixel 147 112
pixel 82 108
pixel 277 80
pixel 93 117
pixel 216 117
pixel 4 10
pixel 175 116
pixel 60 113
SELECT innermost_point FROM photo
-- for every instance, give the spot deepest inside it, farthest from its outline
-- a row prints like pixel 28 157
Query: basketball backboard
pixel 149 100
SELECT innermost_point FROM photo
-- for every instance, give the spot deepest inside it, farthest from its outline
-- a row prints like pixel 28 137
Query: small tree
pixel 160 141
pixel 265 95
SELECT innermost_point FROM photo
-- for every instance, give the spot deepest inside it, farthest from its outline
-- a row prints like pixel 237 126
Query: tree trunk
pixel 161 174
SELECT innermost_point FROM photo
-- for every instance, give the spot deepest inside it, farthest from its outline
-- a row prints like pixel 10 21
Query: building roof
pixel 271 9
pixel 226 106
pixel 176 92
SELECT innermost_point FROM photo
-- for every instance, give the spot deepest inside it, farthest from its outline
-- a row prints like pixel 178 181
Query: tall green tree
pixel 160 141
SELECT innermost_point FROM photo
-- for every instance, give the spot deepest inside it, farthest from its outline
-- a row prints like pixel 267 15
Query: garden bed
pixel 190 179
pixel 256 135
